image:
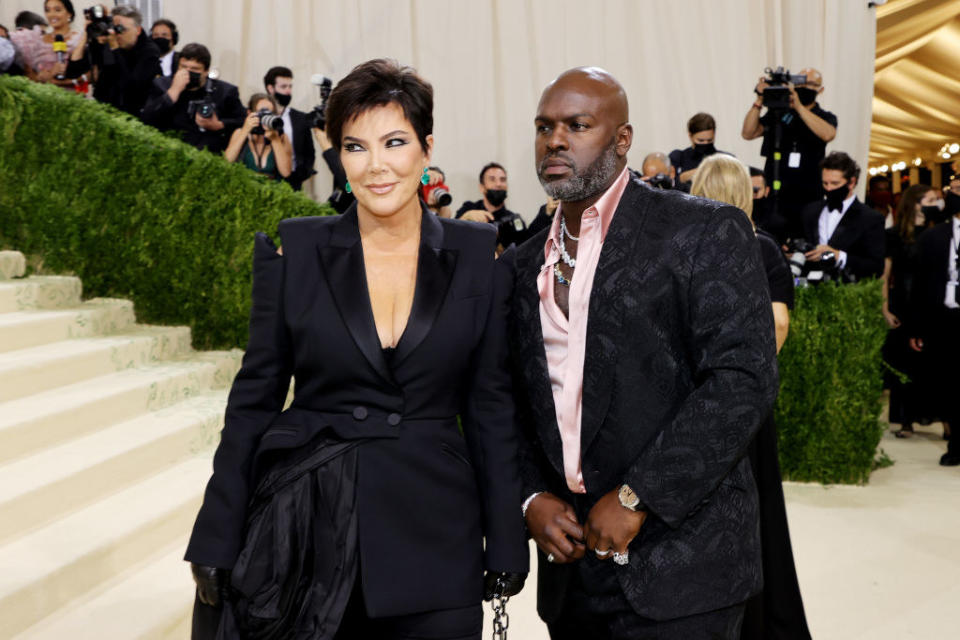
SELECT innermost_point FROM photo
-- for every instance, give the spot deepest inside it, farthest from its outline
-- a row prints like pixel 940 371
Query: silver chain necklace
pixel 564 255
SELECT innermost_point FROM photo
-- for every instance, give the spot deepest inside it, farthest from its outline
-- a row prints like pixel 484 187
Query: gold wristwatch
pixel 629 499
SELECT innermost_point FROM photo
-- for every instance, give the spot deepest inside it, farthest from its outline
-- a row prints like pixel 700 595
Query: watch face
pixel 627 497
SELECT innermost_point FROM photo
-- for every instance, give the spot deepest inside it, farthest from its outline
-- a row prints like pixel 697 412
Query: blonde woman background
pixel 778 611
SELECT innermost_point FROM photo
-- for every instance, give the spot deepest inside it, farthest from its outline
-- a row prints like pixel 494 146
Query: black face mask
pixel 934 214
pixel 835 197
pixel 164 44
pixel 496 196
pixel 952 207
pixel 705 149
pixel 194 80
pixel 283 99
pixel 807 96
pixel 759 205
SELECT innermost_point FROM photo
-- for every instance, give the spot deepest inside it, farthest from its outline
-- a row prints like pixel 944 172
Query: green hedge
pixel 135 213
pixel 831 384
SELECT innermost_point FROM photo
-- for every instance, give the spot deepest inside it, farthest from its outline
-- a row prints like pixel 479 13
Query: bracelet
pixel 758 106
pixel 526 503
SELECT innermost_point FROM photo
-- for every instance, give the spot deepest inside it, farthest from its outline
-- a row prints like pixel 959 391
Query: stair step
pixel 35 369
pixel 40 488
pixel 48 568
pixel 97 317
pixel 150 602
pixel 40 292
pixel 52 417
pixel 13 264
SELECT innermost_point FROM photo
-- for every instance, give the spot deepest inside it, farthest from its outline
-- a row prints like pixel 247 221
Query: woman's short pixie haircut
pixel 377 83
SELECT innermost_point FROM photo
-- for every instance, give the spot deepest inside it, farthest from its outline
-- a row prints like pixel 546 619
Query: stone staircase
pixel 107 429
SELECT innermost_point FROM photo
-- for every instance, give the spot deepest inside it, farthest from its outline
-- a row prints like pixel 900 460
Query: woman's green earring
pixel 348 189
pixel 425 179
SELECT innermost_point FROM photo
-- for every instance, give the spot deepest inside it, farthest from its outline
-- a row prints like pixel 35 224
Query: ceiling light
pixel 884 169
pixel 873 171
pixel 954 148
pixel 945 155
pixel 917 161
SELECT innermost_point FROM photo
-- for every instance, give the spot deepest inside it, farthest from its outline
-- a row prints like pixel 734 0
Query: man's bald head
pixel 594 81
pixel 583 134
pixel 814 77
pixel 654 163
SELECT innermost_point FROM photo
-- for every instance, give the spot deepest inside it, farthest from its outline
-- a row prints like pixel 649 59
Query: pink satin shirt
pixel 565 339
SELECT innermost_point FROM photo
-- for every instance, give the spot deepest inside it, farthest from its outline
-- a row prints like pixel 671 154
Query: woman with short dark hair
pixel 385 501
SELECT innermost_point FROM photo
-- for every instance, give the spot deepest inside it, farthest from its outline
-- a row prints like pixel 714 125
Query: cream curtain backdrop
pixel 489 60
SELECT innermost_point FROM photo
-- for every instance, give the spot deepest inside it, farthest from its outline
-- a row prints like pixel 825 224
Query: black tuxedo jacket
pixel 164 114
pixel 427 496
pixel 680 370
pixel 860 234
pixel 930 281
pixel 303 151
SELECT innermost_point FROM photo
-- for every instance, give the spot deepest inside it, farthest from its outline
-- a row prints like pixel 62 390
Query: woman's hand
pixel 892 321
pixel 510 584
pixel 211 583
pixel 252 121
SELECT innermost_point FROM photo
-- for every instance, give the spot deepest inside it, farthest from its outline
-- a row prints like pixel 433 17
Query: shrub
pixel 831 384
pixel 135 213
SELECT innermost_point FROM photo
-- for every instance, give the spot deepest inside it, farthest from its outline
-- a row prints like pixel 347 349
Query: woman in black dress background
pixel 777 613
pixel 908 398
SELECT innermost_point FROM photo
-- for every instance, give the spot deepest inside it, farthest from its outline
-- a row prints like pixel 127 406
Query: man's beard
pixel 582 185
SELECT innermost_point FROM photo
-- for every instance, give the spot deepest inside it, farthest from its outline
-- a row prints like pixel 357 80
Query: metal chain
pixel 501 621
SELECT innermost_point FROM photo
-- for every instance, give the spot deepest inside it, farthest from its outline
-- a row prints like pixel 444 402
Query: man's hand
pixel 610 526
pixel 111 40
pixel 761 85
pixel 179 82
pixel 321 137
pixel 477 215
pixel 554 527
pixel 210 124
pixel 821 249
pixel 916 344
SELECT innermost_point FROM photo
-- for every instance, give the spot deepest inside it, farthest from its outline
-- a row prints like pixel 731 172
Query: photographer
pixel 491 208
pixel 436 194
pixel 206 110
pixel 847 234
pixel 702 129
pixel 260 143
pixel 125 59
pixel 278 83
pixel 658 171
pixel 805 129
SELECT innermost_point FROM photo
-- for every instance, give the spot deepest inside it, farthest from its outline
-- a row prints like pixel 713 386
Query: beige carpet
pixel 880 562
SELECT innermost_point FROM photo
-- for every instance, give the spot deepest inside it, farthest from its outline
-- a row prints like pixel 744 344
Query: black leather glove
pixel 211 583
pixel 512 583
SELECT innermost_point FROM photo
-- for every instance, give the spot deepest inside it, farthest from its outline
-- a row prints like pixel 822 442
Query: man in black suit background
pixel 644 341
pixel 278 82
pixel 843 226
pixel 164 34
pixel 177 103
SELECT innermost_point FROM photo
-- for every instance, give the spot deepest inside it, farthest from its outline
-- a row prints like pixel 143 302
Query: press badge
pixel 518 224
pixel 793 161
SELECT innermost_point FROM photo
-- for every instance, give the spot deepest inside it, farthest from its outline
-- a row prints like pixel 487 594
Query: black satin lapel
pixel 605 320
pixel 346 277
pixel 435 269
pixel 531 357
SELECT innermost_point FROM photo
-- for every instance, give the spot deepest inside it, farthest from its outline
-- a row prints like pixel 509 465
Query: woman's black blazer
pixel 427 496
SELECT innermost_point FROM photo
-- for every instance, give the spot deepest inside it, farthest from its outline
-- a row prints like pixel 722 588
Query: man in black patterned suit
pixel 644 339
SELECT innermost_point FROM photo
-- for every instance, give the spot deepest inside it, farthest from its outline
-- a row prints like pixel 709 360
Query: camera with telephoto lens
pixel 204 108
pixel 268 120
pixel 100 22
pixel 777 95
pixel 318 117
pixel 438 192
